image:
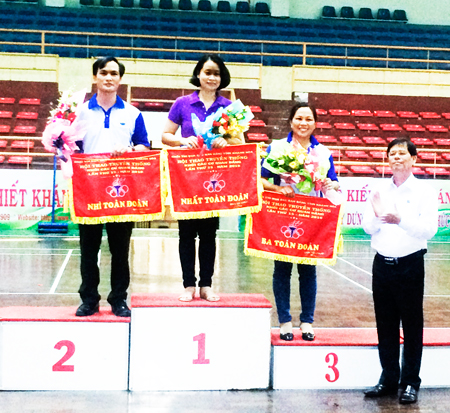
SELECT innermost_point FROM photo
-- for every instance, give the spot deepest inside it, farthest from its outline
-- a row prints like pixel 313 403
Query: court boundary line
pixel 348 279
pixel 60 272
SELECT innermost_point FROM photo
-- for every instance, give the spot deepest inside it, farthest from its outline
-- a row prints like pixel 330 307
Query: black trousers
pixel 119 234
pixel 205 229
pixel 398 288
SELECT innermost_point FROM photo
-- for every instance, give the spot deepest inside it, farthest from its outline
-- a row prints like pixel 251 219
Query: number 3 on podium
pixel 332 359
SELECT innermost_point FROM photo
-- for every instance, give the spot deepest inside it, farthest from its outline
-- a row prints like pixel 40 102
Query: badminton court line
pixel 367 272
pixel 348 279
pixel 60 272
pixel 355 266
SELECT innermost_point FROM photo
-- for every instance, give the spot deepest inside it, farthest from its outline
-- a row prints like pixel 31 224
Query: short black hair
pixel 225 78
pixel 404 142
pixel 299 105
pixel 103 61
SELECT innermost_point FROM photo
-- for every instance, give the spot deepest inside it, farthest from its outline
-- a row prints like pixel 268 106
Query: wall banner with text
pixel 215 183
pixel 122 189
pixel 301 230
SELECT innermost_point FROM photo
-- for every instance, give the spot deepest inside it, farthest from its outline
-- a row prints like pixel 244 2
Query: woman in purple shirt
pixel 210 75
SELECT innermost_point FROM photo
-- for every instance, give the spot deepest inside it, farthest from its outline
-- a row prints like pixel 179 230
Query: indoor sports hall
pixel 374 71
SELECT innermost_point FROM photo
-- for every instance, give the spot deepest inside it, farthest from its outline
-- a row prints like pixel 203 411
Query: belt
pixel 401 260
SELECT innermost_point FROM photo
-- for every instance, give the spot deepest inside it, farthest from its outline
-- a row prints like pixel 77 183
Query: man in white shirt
pixel 401 216
pixel 114 127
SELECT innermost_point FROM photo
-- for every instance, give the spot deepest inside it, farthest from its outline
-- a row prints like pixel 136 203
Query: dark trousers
pixel 119 234
pixel 205 229
pixel 398 297
pixel 282 290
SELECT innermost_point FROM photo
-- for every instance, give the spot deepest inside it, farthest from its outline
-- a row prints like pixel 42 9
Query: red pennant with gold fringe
pixel 303 229
pixel 120 189
pixel 219 182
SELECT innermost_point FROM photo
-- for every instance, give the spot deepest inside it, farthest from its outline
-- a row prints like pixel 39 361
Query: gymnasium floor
pixel 44 271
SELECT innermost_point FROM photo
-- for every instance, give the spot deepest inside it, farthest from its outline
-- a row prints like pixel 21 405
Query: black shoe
pixel 121 309
pixel 381 390
pixel 287 336
pixel 308 336
pixel 408 396
pixel 85 310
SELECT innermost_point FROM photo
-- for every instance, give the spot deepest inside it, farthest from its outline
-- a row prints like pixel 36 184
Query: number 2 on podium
pixel 201 339
pixel 60 366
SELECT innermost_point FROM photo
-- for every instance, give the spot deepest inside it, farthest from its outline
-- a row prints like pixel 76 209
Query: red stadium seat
pixel 446 156
pixel 390 139
pixel 378 154
pixel 255 109
pixel 384 114
pixel 5 128
pixel 325 138
pixel 421 141
pixel 356 154
pixel 321 112
pixel 437 171
pixel 22 145
pixel 28 101
pixel 256 122
pixel 20 160
pixel 3 143
pixel 417 171
pixel 2 158
pixel 154 104
pixel 413 128
pixel 346 126
pixel 374 140
pixel 406 114
pixel 257 137
pixel 7 101
pixel 390 127
pixel 336 154
pixel 25 129
pixel 358 112
pixel 437 128
pixel 442 142
pixel 323 125
pixel 27 115
pixel 5 114
pixel 367 126
pixel 429 115
pixel 384 170
pixel 338 112
pixel 351 140
pixel 429 156
pixel 446 115
pixel 358 169
pixel 340 169
pixel 135 104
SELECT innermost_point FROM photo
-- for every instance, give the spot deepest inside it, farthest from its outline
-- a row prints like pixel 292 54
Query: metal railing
pixel 304 53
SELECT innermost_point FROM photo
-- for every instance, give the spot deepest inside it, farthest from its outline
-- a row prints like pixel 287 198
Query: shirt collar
pixel 194 99
pixel 407 184
pixel 94 104
pixel 312 139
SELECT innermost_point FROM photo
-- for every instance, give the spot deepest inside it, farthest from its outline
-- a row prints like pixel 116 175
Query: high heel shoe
pixel 307 331
pixel 286 331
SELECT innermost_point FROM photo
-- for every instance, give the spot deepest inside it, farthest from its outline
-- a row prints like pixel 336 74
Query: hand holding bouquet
pixel 226 123
pixel 61 133
pixel 306 170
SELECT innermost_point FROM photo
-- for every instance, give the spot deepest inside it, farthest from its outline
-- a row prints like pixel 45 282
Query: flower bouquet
pixel 306 170
pixel 226 123
pixel 61 132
